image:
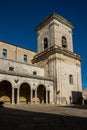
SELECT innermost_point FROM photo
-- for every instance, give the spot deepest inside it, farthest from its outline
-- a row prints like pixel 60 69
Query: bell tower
pixel 55 54
pixel 54 30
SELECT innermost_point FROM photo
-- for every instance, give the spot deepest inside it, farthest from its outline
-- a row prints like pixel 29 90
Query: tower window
pixel 4 53
pixel 25 58
pixel 64 42
pixel 45 43
pixel 71 79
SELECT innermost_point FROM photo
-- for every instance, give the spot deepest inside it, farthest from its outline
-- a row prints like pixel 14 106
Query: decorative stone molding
pixel 52 50
pixel 26 75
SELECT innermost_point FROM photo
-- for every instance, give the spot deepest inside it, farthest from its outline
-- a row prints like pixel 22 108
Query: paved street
pixel 42 117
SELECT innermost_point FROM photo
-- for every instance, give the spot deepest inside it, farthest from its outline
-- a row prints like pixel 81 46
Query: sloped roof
pixel 50 18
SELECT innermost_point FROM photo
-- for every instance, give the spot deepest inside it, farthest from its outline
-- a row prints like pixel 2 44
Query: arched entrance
pixel 5 91
pixel 41 93
pixel 24 93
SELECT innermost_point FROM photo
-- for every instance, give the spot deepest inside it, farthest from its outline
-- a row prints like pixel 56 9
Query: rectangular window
pixel 25 58
pixel 11 68
pixel 71 79
pixel 4 53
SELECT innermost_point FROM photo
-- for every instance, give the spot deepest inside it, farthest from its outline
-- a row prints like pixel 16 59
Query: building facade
pixel 50 75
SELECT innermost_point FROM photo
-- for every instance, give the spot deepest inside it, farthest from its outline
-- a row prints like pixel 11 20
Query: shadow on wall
pixel 1 104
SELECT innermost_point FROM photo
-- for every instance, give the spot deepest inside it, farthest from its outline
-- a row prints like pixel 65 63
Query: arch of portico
pixel 25 94
pixel 9 80
pixel 5 91
pixel 41 93
pixel 23 91
pixel 14 91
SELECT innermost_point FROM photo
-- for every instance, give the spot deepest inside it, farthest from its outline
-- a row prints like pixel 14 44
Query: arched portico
pixel 6 91
pixel 25 93
pixel 41 93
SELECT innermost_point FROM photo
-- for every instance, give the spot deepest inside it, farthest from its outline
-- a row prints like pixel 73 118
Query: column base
pixel 13 103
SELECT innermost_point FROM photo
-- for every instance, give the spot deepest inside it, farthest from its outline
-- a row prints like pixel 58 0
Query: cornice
pixel 52 50
pixel 25 75
pixel 18 62
pixel 50 18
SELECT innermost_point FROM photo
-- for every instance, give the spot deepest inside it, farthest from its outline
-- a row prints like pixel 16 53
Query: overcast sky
pixel 18 19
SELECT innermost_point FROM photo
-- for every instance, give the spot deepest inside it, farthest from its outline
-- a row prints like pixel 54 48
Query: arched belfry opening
pixel 5 91
pixel 41 93
pixel 25 93
pixel 45 43
pixel 64 42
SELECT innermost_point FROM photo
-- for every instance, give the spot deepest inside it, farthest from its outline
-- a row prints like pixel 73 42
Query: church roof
pixel 50 18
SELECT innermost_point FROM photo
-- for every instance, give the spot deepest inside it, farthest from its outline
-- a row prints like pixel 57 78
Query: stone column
pixel 31 97
pixel 35 96
pixel 18 95
pixel 12 95
pixel 46 97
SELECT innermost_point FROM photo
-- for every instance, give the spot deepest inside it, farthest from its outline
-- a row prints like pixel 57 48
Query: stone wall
pixel 16 53
pixel 20 68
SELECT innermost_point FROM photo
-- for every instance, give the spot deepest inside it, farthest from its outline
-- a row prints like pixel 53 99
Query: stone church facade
pixel 50 75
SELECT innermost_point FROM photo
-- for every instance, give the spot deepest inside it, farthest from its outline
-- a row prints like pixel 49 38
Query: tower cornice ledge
pixel 52 50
